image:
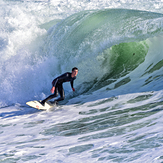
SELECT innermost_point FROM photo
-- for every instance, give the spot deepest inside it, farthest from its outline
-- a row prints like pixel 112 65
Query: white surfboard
pixel 37 105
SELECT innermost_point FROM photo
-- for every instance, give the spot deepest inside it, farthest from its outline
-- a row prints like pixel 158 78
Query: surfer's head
pixel 74 71
pixel 74 68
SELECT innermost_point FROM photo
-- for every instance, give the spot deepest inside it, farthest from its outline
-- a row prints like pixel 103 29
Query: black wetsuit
pixel 57 83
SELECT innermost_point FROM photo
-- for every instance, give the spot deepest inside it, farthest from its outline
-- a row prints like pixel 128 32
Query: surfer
pixel 58 87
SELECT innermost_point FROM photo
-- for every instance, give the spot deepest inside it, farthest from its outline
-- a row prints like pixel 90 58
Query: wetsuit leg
pixel 61 92
pixel 51 96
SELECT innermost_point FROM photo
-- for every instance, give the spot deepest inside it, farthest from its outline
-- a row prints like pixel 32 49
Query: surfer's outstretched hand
pixel 53 89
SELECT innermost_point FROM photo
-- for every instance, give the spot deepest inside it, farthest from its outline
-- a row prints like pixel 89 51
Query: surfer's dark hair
pixel 74 68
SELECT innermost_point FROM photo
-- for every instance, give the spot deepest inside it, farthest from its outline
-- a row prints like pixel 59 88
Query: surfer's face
pixel 74 73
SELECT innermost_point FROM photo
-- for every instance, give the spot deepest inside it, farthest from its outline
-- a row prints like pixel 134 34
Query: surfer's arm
pixel 72 83
pixel 53 89
pixel 53 85
pixel 54 82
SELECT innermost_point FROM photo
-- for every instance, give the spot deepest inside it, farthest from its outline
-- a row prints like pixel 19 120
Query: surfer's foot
pixel 42 102
pixel 54 102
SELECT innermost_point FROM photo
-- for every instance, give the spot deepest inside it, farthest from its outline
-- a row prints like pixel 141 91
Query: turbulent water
pixel 116 112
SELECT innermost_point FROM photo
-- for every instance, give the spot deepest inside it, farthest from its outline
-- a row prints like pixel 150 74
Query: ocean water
pixel 116 112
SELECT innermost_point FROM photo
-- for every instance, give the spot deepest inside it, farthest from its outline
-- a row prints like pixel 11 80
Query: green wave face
pixel 108 44
pixel 124 57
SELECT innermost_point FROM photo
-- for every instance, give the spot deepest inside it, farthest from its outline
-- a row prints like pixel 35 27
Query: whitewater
pixel 116 112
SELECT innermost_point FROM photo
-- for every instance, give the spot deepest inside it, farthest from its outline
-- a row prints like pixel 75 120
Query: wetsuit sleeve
pixel 72 84
pixel 54 82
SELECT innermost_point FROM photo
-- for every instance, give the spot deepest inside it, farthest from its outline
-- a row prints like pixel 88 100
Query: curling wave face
pixel 110 45
pixel 111 48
